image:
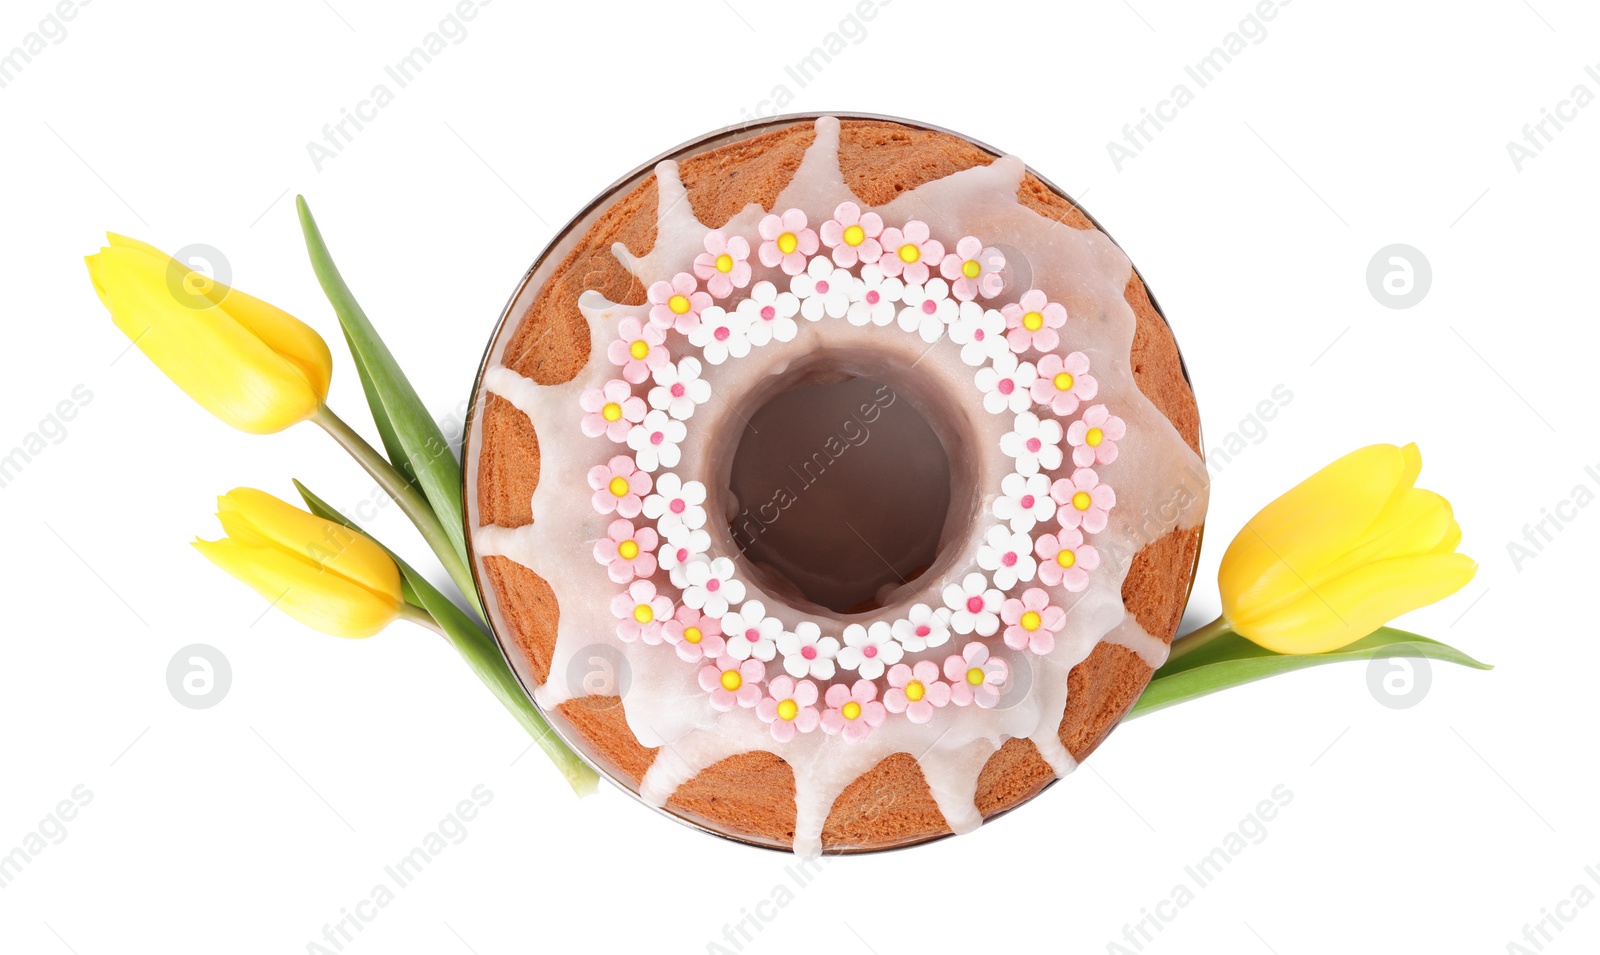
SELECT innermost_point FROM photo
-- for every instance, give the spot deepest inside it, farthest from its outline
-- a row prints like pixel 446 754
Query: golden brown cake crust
pixel 753 794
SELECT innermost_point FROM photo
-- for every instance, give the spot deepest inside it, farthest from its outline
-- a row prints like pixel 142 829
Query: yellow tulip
pixel 323 574
pixel 253 365
pixel 1341 554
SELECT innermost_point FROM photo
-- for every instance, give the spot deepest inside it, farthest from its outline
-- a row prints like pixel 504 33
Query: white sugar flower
pixel 1007 556
pixel 769 314
pixel 974 605
pixel 675 503
pixel 1006 384
pixel 1023 502
pixel 679 388
pixel 926 309
pixel 981 333
pixel 923 627
pixel 679 547
pixel 655 441
pixel 806 652
pixel 1034 443
pixel 721 334
pixel 751 633
pixel 823 289
pixel 712 586
pixel 874 298
pixel 867 650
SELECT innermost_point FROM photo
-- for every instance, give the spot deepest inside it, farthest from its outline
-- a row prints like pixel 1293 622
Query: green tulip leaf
pixel 1230 660
pixel 416 446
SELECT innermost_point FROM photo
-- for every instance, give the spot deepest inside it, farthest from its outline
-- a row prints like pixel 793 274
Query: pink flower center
pixel 768 313
pixel 810 653
pixel 1009 559
pixel 924 630
pixel 977 334
pixel 974 604
pixel 656 437
pixel 721 334
pixel 713 585
pixel 1006 386
pixel 1034 444
pixel 1026 502
pixel 678 505
pixel 752 634
pixel 869 651
pixel 678 391
pixel 872 297
pixel 929 306
pixel 683 554
pixel 822 288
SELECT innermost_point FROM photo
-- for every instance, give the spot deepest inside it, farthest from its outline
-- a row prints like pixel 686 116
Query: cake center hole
pixel 844 489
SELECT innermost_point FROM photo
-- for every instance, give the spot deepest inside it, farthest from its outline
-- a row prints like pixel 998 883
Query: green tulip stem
pixel 407 496
pixel 422 618
pixel 1197 638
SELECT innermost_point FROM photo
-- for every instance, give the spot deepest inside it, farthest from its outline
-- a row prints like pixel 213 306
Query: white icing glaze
pixel 1160 485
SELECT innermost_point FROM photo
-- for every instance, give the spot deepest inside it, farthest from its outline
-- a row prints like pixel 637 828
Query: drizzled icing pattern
pixel 699 272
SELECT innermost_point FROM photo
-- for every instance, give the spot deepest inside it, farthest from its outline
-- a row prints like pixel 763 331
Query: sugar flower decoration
pixel 806 652
pixel 724 265
pixel 694 635
pixel 1065 560
pixel 638 349
pixel 1032 621
pixel 676 502
pixel 1033 322
pixel 789 708
pixel 867 650
pixel 712 586
pixel 768 314
pixel 1005 384
pixel 1034 443
pixel 853 711
pixel 750 632
pixel 981 333
pixel 1007 556
pixel 909 252
pixel 916 690
pixel 1064 382
pixel 732 682
pixel 1085 502
pixel 677 304
pixel 922 627
pixel 679 389
pixel 852 236
pixel 822 289
pixel 1094 437
pixel 787 243
pixel 721 334
pixel 974 605
pixel 973 270
pixel 1024 501
pixel 655 441
pixel 626 551
pixel 640 612
pixel 878 298
pixel 619 487
pixel 927 309
pixel 975 677
pixel 679 546
pixel 611 410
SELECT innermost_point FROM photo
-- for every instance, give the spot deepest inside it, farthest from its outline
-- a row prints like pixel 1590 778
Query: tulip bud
pixel 323 574
pixel 253 365
pixel 1341 554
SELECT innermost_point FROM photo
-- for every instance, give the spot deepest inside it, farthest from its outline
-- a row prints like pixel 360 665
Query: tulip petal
pixel 258 519
pixel 322 601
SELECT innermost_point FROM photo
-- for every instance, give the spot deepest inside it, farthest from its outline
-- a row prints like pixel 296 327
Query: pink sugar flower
pixel 1033 322
pixel 724 265
pixel 611 410
pixel 806 652
pixel 916 690
pixel 1085 502
pixel 640 612
pixel 1032 621
pixel 733 682
pixel 973 270
pixel 1035 443
pixel 975 677
pixel 639 349
pixel 789 708
pixel 922 627
pixel 853 711
pixel 1064 382
pixel 1065 560
pixel 627 552
pixel 1094 437
pixel 788 243
pixel 619 487
pixel 853 235
pixel 867 650
pixel 909 253
pixel 695 636
pixel 1007 556
pixel 974 605
pixel 678 303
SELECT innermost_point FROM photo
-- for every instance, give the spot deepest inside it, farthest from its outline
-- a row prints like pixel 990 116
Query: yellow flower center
pixel 612 411
pixel 1063 381
pixel 854 235
pixel 971 269
pixel 628 550
pixel 1031 620
pixel 1094 437
pixel 731 680
pixel 850 710
pixel 909 253
pixel 1033 321
pixel 1065 558
pixel 643 613
pixel 679 305
pixel 915 690
pixel 640 349
pixel 788 709
pixel 788 242
pixel 618 487
pixel 975 676
pixel 1082 500
pixel 691 634
pixel 724 263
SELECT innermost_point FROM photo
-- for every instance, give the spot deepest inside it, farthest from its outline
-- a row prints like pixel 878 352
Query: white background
pixel 1445 826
